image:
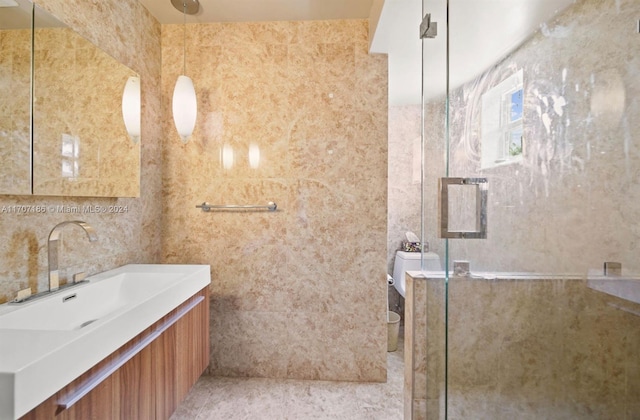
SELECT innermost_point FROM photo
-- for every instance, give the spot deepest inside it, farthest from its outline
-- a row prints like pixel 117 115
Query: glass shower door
pixel 538 99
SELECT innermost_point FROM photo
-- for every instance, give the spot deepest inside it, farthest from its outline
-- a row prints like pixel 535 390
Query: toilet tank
pixel 410 261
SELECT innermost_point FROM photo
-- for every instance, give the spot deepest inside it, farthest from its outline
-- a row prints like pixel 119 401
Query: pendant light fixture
pixel 185 104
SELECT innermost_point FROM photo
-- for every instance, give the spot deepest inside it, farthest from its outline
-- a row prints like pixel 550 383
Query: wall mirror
pixel 15 88
pixel 79 144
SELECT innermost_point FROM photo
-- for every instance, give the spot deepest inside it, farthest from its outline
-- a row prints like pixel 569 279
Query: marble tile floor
pixel 284 399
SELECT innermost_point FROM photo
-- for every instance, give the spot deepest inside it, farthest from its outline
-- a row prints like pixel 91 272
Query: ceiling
pixel 261 10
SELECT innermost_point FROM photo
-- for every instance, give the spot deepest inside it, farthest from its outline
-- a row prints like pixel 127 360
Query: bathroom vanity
pixel 146 344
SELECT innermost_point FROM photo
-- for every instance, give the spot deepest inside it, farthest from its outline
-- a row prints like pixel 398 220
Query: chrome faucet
pixel 54 238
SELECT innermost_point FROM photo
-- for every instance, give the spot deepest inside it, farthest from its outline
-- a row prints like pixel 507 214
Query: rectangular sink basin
pixel 48 342
pixel 78 306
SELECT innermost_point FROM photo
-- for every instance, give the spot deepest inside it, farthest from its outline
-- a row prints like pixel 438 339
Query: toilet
pixel 410 261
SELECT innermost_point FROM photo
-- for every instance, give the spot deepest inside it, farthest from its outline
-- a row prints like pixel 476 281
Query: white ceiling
pixel 397 35
pixel 261 10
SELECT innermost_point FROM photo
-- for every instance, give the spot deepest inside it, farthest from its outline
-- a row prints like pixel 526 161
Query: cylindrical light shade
pixel 131 107
pixel 185 107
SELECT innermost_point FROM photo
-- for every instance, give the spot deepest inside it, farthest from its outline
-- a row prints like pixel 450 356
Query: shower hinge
pixel 428 29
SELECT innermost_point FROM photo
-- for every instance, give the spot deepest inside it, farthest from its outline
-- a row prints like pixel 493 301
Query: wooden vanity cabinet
pixel 152 383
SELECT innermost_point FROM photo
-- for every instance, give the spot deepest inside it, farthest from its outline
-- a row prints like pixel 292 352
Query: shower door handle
pixel 480 185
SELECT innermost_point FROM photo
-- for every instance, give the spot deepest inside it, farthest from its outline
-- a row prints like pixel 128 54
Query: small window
pixel 502 115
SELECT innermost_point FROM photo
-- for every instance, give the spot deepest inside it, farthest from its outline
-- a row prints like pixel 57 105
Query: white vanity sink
pixel 48 342
pixel 79 306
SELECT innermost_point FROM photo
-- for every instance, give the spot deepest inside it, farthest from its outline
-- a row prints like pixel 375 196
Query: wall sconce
pixel 185 104
pixel 131 108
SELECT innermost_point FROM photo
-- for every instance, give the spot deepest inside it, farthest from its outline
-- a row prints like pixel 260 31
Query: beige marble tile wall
pixel 15 64
pixel 299 293
pixel 128 32
pixel 529 348
pixel 571 204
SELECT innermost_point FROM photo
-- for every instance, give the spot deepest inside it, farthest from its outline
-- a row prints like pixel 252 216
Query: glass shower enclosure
pixel 531 195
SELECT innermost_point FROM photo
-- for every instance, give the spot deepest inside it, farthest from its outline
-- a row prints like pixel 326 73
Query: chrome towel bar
pixel 271 206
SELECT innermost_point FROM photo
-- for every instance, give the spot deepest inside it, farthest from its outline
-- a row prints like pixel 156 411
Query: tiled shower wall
pixel 577 173
pixel 543 346
pixel 128 32
pixel 298 293
pixel 527 347
pixel 571 204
